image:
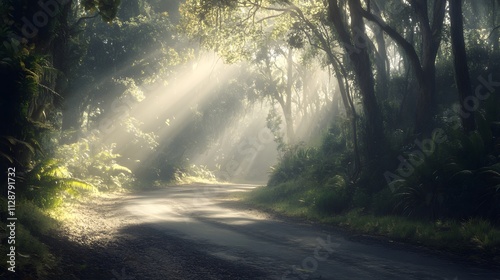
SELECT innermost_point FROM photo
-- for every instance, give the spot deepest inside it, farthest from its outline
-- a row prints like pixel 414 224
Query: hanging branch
pixel 80 20
pixel 493 31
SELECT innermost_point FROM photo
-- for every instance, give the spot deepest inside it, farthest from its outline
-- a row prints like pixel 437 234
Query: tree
pixel 107 9
pixel 220 20
pixel 424 66
pixel 278 82
pixel 381 59
pixel 135 46
pixel 355 44
pixel 462 77
pixel 246 35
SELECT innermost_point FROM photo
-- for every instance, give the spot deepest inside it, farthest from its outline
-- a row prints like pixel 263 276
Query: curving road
pixel 202 216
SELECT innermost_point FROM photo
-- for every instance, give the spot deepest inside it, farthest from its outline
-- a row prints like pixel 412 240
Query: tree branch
pixel 80 20
pixel 400 40
pixel 493 31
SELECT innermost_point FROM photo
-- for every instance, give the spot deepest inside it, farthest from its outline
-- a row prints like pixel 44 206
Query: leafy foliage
pixel 194 173
pixel 107 9
pixel 294 162
pixel 33 257
pixel 49 181
pixel 95 162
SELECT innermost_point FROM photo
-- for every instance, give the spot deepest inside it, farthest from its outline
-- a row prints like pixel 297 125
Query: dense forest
pixel 342 107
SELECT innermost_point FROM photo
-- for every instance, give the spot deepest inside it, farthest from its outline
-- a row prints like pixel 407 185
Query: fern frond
pixel 120 168
pixel 71 184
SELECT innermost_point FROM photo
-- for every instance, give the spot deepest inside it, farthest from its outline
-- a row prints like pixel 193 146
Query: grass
pixel 476 238
pixel 33 258
pixel 185 180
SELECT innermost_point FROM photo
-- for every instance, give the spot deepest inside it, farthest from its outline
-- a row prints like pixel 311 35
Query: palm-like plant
pixel 461 179
pixel 49 180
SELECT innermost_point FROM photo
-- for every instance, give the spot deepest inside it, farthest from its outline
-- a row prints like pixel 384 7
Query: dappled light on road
pixel 205 214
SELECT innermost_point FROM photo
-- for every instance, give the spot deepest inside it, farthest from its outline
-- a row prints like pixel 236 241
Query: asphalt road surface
pixel 202 216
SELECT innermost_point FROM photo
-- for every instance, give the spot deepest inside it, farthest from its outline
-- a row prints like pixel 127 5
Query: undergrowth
pixel 319 203
pixel 32 255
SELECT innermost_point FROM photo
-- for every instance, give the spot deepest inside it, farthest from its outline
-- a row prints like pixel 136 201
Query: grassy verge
pixel 475 238
pixel 33 258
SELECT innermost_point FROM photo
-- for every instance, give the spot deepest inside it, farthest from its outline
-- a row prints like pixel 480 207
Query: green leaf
pixel 7 157
pixel 489 173
pixel 477 142
pixel 461 176
pixel 75 184
pixel 116 167
pixel 494 167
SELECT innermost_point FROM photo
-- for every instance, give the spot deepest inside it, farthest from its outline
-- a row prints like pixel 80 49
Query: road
pixel 202 216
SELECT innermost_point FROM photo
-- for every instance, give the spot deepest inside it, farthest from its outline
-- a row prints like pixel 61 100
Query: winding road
pixel 203 216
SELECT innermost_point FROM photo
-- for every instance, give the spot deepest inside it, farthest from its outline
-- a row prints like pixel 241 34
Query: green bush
pixel 459 180
pixel 96 163
pixel 361 199
pixel 294 163
pixel 49 181
pixel 333 201
pixel 194 173
pixel 383 202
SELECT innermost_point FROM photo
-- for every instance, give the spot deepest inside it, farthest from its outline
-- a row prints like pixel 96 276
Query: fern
pixel 120 169
pixel 9 143
pixel 49 179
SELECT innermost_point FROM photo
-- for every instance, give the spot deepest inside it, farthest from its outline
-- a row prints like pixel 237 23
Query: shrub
pixel 295 161
pixel 334 198
pixel 33 257
pixel 49 180
pixel 383 202
pixel 96 163
pixel 194 173
pixel 361 199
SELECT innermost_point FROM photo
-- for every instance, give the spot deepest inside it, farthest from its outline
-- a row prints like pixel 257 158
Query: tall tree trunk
pixel 355 44
pixel 341 75
pixel 342 78
pixel 424 67
pixel 288 103
pixel 462 77
pixel 431 39
pixel 425 100
pixel 407 108
pixel 381 60
pixel 495 34
pixel 284 99
pixel 70 103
